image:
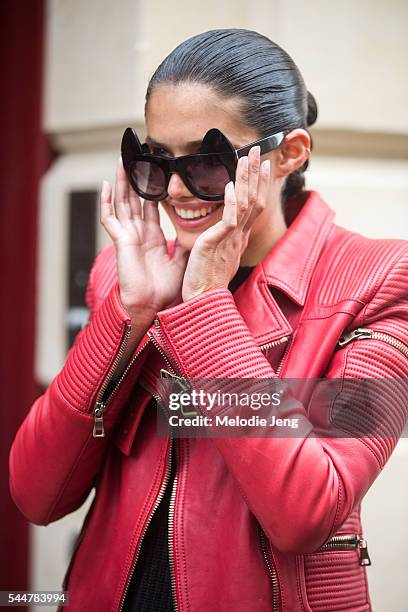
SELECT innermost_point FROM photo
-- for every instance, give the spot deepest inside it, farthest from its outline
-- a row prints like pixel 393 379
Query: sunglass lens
pixel 149 178
pixel 208 177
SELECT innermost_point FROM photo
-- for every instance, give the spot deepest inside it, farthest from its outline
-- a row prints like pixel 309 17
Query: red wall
pixel 24 156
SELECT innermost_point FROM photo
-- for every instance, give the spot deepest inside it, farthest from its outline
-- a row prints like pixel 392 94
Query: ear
pixel 293 152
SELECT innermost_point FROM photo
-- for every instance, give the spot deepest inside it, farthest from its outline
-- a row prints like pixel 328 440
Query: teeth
pixel 193 214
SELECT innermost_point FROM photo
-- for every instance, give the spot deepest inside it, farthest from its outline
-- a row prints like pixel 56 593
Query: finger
pixel 228 223
pixel 151 211
pixel 122 205
pixel 241 187
pixel 230 212
pixel 264 178
pixel 253 179
pixel 262 194
pixel 107 215
pixel 135 204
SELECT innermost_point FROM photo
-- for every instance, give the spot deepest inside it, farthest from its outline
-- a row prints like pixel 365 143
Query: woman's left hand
pixel 216 254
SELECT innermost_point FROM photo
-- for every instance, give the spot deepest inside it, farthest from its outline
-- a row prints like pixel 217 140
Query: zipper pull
pixel 182 382
pixel 99 430
pixel 359 332
pixel 363 552
pixel 183 386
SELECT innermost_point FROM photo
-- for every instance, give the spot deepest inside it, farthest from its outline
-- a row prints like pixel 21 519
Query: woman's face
pixel 177 118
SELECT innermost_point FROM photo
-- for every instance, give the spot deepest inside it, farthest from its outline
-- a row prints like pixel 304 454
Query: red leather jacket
pixel 250 518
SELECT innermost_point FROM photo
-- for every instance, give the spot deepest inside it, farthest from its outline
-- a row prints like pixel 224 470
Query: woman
pixel 260 283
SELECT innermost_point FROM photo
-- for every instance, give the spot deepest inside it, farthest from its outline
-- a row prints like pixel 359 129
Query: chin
pixel 186 240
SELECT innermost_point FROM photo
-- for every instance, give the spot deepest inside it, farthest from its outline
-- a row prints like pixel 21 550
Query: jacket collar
pixel 290 263
pixel 288 266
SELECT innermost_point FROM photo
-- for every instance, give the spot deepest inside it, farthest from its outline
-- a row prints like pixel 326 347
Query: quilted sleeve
pixel 54 459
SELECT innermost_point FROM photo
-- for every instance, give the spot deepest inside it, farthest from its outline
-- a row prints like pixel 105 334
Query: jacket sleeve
pixel 54 459
pixel 301 489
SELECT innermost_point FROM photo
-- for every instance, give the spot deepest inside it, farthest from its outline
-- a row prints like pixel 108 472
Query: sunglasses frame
pixel 132 151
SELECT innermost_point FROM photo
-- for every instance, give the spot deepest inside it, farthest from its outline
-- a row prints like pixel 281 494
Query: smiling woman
pixel 260 283
pixel 202 108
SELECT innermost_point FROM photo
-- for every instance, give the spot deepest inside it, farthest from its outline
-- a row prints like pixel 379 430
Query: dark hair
pixel 246 64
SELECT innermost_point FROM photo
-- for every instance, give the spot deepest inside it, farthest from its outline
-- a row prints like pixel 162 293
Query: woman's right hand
pixel 149 279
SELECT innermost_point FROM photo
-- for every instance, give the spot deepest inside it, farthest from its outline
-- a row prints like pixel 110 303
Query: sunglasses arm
pixel 266 144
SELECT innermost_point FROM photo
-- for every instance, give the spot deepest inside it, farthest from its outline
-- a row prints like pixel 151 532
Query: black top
pixel 242 273
pixel 150 586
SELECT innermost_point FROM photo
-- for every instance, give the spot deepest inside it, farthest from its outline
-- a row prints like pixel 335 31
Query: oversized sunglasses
pixel 205 174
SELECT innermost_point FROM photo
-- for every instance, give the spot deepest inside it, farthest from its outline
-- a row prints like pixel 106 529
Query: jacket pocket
pixel 335 575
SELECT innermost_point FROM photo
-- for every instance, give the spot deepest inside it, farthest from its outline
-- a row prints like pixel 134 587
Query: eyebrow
pixel 188 145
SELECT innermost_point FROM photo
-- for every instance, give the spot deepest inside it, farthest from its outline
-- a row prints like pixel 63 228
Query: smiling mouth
pixel 197 213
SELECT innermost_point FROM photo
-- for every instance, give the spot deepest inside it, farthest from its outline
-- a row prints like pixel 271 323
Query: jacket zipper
pixel 348 542
pixel 101 401
pixel 156 505
pixel 273 343
pixel 265 347
pixel 170 532
pixel 172 367
pixel 271 570
pixel 165 374
pixel 183 382
pixel 362 333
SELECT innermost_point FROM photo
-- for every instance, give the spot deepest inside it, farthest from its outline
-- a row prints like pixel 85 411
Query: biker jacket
pixel 256 524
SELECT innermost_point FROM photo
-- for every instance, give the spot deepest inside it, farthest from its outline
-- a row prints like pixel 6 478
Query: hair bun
pixel 311 109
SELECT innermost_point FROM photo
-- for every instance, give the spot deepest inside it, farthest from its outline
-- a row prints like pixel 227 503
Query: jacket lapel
pixel 288 267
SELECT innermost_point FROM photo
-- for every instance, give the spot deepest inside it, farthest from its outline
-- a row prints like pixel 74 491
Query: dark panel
pixel 82 249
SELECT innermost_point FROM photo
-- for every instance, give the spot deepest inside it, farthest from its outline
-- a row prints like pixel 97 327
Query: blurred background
pixel 74 74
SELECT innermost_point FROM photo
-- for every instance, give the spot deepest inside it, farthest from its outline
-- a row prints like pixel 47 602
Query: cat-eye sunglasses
pixel 205 174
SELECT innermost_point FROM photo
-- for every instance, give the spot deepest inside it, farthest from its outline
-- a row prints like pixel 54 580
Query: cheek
pixel 263 221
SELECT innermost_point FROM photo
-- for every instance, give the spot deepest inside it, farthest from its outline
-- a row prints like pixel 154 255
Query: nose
pixel 177 187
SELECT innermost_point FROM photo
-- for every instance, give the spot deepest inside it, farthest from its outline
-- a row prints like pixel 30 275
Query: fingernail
pixel 230 187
